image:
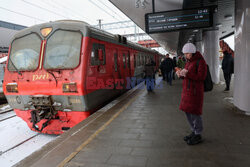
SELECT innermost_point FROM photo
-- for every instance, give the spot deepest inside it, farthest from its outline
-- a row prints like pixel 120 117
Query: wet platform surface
pixel 148 131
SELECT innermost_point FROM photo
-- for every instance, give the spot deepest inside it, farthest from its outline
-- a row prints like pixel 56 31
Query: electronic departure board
pixel 179 20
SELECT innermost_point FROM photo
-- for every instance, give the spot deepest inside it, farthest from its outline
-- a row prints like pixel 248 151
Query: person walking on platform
pixel 193 91
pixel 174 65
pixel 180 63
pixel 149 70
pixel 162 68
pixel 168 67
pixel 227 67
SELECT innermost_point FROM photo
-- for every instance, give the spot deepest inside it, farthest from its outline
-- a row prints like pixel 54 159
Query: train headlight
pixel 12 87
pixel 46 31
pixel 69 87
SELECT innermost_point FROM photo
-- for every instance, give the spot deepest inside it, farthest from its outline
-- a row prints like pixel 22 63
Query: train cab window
pixel 98 55
pixel 124 60
pixel 25 52
pixel 63 50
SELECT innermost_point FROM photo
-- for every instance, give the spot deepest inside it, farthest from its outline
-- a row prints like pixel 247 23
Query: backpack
pixel 208 83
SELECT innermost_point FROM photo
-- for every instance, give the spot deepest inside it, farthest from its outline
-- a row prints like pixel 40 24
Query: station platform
pixel 147 129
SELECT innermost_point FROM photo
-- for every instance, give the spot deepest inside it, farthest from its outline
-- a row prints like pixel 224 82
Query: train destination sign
pixel 178 20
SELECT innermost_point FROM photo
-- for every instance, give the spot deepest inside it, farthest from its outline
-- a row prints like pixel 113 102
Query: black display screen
pixel 178 20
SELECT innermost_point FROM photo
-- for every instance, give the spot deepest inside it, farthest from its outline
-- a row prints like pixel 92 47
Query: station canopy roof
pixel 7 30
pixel 223 18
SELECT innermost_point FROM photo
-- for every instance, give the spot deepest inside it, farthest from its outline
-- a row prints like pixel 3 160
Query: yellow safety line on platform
pixel 72 155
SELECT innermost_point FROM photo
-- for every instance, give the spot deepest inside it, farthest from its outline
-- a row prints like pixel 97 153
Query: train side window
pixel 124 60
pixel 96 59
pixel 116 59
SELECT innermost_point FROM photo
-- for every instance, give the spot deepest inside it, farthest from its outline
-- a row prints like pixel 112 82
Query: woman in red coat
pixel 194 75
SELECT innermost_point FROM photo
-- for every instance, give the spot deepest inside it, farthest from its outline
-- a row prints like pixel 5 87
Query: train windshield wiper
pixel 15 67
pixel 50 72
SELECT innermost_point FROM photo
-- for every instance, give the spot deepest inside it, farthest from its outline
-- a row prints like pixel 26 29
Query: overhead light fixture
pixel 228 17
pixel 195 30
pixel 218 25
pixel 192 35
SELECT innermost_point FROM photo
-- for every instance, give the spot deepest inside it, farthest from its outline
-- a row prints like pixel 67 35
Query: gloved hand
pixel 178 73
pixel 183 72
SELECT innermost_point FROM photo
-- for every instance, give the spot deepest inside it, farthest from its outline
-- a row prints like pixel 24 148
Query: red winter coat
pixel 193 85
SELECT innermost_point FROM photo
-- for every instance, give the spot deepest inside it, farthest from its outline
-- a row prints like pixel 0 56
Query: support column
pixel 242 56
pixel 210 48
pixel 199 47
pixel 198 42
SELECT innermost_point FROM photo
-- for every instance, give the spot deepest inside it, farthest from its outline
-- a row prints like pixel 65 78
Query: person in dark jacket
pixel 168 66
pixel 228 68
pixel 193 91
pixel 174 65
pixel 162 68
pixel 149 70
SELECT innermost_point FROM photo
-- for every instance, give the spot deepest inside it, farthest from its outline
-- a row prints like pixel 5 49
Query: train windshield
pixel 63 50
pixel 24 54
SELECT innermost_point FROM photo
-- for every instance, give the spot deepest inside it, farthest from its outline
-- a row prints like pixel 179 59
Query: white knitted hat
pixel 189 48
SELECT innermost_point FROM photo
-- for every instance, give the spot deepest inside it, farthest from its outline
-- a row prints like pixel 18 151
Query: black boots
pixel 196 139
pixel 193 139
pixel 186 138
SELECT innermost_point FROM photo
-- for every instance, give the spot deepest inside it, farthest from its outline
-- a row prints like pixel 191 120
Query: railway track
pixel 5 114
pixel 7 118
pixel 15 146
pixel 17 140
pixel 5 111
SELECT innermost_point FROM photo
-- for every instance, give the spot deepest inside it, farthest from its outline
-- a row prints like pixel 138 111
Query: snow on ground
pixel 6 115
pixel 14 131
pixel 14 156
pixel 4 107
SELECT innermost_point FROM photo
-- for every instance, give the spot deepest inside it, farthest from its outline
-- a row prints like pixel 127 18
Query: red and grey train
pixel 58 73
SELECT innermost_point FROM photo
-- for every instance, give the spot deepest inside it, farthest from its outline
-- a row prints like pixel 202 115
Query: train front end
pixel 44 77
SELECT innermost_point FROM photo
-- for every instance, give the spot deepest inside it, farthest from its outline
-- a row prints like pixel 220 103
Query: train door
pixel 122 66
pixel 129 64
pixel 117 70
pixel 116 67
pixel 126 64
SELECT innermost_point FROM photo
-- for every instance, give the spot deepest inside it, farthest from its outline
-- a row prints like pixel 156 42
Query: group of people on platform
pixel 167 70
pixel 193 70
pixel 168 67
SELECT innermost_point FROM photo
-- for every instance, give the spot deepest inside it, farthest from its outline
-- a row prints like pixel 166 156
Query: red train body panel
pixel 56 80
